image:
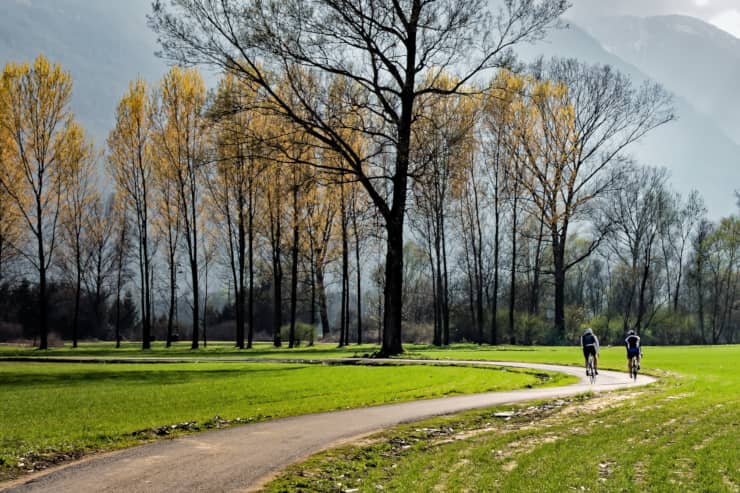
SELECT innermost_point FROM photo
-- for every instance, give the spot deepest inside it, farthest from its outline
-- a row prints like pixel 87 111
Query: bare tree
pixel 390 50
pixel 635 210
pixel 584 118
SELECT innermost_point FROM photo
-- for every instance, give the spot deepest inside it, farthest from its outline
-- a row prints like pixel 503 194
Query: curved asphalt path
pixel 243 458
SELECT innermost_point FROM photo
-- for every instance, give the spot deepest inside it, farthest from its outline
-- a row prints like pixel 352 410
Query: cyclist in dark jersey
pixel 632 343
pixel 590 345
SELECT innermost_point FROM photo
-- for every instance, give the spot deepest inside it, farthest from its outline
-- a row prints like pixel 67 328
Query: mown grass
pixel 679 435
pixel 52 411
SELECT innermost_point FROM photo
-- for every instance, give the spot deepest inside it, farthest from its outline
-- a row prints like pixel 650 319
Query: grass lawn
pixel 52 412
pixel 679 435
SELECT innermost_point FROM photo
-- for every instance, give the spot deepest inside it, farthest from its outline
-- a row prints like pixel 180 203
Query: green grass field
pixel 51 412
pixel 679 435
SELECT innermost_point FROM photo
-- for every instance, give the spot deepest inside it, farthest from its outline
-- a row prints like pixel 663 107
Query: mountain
pixel 104 44
pixel 696 148
pixel 691 58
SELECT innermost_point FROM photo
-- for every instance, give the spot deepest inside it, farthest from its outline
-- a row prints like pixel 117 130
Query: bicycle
pixel 634 367
pixel 590 370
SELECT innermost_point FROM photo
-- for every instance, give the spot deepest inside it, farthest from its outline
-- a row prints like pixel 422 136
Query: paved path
pixel 242 458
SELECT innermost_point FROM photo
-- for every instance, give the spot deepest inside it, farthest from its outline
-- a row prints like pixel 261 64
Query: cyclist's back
pixel 590 345
pixel 632 343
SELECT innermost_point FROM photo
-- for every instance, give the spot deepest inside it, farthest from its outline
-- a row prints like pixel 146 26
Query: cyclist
pixel 590 345
pixel 632 343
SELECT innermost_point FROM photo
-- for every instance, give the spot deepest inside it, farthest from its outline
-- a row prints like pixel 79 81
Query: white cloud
pixel 729 21
pixel 701 3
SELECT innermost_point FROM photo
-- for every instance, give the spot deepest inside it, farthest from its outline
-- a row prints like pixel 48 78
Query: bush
pixel 303 333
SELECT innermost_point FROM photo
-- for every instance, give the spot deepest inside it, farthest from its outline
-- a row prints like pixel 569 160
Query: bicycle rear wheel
pixel 590 371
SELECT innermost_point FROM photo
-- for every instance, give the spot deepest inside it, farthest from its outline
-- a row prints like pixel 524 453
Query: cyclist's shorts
pixel 589 350
pixel 633 351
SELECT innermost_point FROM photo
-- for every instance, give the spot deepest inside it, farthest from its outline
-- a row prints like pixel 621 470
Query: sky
pixel 724 14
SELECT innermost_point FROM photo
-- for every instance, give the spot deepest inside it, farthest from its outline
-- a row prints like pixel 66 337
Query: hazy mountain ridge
pixel 691 58
pixel 695 148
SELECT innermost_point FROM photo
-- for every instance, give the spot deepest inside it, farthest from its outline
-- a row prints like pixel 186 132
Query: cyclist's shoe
pixel 596 372
pixel 638 366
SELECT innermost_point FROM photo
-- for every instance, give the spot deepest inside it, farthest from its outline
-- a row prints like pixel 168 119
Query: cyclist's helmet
pixel 588 331
pixel 631 333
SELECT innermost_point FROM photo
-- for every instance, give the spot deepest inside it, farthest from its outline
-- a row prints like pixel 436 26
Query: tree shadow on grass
pixel 148 376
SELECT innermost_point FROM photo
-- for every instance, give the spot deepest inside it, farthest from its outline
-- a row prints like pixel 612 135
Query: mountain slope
pixel 695 148
pixel 691 58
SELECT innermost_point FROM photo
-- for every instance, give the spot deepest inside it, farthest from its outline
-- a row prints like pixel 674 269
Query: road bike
pixel 634 367
pixel 590 370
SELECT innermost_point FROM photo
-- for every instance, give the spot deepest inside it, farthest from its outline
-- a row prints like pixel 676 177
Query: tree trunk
pixel 250 249
pixel 435 262
pixel 76 315
pixel 323 309
pixel 445 287
pixel 344 316
pixel 359 272
pixel 496 254
pixel 558 250
pixel 641 296
pixel 534 299
pixel 312 309
pixel 173 296
pixel 241 265
pixel 196 297
pixel 393 292
pixel 512 281
pixel 277 295
pixel 294 269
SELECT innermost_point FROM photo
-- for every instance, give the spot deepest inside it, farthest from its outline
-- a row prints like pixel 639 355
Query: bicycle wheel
pixel 633 369
pixel 590 371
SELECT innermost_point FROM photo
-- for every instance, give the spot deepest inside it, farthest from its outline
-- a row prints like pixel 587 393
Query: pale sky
pixel 724 14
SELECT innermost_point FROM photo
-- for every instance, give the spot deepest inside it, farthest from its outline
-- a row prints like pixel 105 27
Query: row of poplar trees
pixel 342 120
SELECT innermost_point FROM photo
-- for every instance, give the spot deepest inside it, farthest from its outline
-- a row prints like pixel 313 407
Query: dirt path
pixel 243 458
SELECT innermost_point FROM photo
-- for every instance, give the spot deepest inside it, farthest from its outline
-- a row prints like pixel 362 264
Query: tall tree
pixel 80 196
pixel 167 224
pixel 635 210
pixel 121 251
pixel 180 135
pixel 576 124
pixel 131 167
pixel 321 212
pixel 239 124
pixel 387 48
pixel 442 144
pixel 36 122
pixel 101 244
